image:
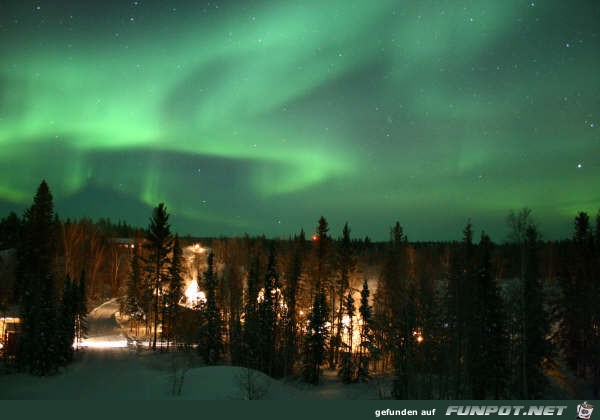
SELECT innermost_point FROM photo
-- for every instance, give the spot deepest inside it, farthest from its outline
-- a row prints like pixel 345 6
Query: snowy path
pixel 103 329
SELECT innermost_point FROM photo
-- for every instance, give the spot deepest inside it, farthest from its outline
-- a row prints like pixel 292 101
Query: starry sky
pixel 261 116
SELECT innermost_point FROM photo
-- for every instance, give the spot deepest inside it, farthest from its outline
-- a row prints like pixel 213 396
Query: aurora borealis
pixel 260 116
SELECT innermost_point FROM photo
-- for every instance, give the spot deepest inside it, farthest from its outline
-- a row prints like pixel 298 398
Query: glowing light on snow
pixel 102 344
pixel 193 295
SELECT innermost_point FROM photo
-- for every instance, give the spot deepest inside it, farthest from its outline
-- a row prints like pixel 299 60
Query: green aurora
pixel 259 117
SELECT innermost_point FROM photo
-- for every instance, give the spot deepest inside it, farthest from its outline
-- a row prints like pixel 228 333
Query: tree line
pixel 469 319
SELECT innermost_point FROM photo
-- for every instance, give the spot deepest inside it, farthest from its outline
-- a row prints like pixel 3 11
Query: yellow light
pixel 103 344
pixel 194 295
pixel 420 339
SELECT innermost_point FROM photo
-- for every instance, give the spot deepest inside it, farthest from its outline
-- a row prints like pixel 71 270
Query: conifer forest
pixel 301 200
pixel 439 320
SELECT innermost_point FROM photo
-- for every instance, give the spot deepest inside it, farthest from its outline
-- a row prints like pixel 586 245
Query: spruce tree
pixel 346 263
pixel 316 339
pixel 175 292
pixel 536 326
pixel 47 352
pixel 134 288
pixel 251 331
pixel 10 231
pixel 579 290
pixel 399 317
pixel 293 275
pixel 492 363
pixel 348 368
pixel 367 350
pixel 211 340
pixel 34 289
pixel 159 244
pixel 66 322
pixel 268 310
pixel 81 310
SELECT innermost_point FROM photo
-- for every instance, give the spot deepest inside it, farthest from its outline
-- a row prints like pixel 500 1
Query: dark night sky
pixel 260 116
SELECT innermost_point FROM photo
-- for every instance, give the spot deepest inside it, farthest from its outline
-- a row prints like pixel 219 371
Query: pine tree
pixel 595 315
pixel 81 311
pixel 316 339
pixel 132 305
pixel 47 354
pixel 348 368
pixel 399 317
pixel 251 325
pixel 535 323
pixel 211 340
pixel 470 322
pixel 34 289
pixel 492 363
pixel 10 231
pixel 346 264
pixel 579 292
pixel 323 251
pixel 293 275
pixel 159 244
pixel 268 310
pixel 367 350
pixel 175 292
pixel 66 322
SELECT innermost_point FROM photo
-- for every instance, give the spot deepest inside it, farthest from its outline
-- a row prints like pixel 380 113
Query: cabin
pixel 9 331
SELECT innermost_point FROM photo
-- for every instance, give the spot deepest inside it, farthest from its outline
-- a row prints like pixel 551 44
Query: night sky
pixel 261 116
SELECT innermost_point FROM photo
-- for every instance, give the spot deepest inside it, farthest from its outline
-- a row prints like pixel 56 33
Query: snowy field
pixel 108 369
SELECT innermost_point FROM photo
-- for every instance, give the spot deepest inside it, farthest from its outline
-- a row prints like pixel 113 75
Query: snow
pixel 103 329
pixel 121 374
pixel 109 372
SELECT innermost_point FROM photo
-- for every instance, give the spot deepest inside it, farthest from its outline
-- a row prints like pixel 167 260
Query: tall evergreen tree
pixel 268 311
pixel 47 355
pixel 175 292
pixel 595 315
pixel 348 368
pixel 132 306
pixel 10 231
pixel 323 251
pixel 66 322
pixel 294 272
pixel 159 244
pixel 535 323
pixel 316 339
pixel 81 310
pixel 400 313
pixel 34 288
pixel 211 339
pixel 368 349
pixel 495 334
pixel 346 263
pixel 470 323
pixel 251 326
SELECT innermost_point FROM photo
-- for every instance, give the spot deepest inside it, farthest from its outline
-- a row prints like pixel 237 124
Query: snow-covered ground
pixel 108 369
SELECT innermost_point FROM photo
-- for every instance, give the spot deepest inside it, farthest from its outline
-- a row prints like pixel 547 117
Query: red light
pixel 315 238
